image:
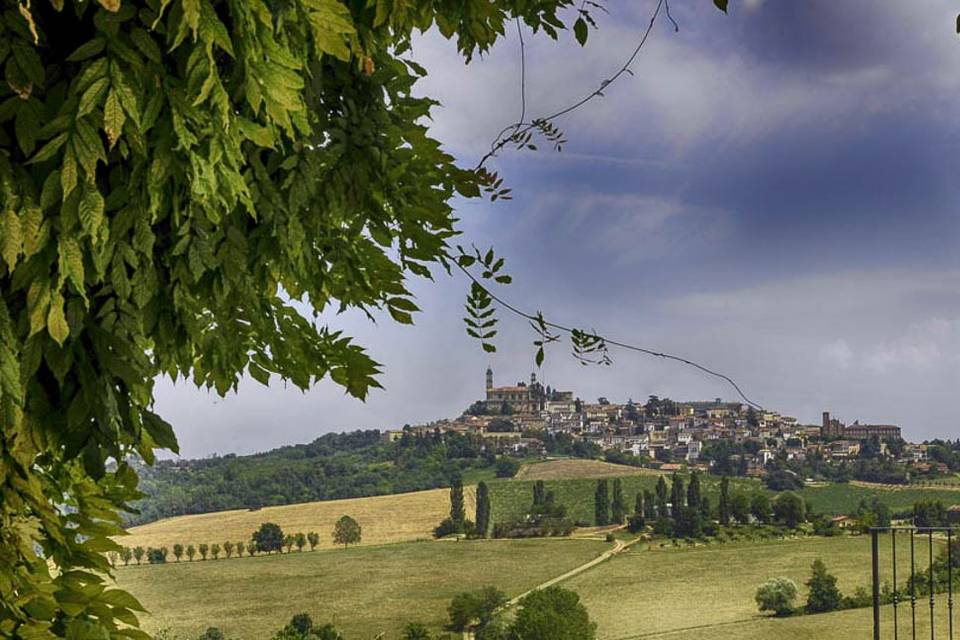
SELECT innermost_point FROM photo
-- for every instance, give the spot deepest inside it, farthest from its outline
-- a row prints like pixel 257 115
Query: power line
pixel 617 343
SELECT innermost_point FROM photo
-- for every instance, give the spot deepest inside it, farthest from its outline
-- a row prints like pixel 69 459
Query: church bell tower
pixel 489 378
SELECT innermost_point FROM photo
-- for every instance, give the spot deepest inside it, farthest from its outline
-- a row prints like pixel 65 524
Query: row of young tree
pixel 684 511
pixel 269 538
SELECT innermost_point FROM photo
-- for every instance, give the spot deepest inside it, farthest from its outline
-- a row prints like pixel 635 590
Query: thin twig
pixel 522 127
pixel 623 345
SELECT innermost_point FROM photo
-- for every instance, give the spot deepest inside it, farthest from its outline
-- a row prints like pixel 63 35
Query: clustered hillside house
pixel 665 433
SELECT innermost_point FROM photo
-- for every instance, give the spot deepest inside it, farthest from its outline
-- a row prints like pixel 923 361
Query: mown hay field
pixel 578 468
pixel 708 592
pixel 383 519
pixel 363 590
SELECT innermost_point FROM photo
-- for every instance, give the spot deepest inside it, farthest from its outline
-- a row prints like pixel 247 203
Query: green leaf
pixel 71 263
pixel 57 325
pixel 113 117
pixel 91 212
pixel 11 244
pixel 92 96
pixel 68 174
pixel 160 432
pixel 721 4
pixel 191 14
pixel 119 598
pixel 580 31
pixel 87 50
pixel 50 149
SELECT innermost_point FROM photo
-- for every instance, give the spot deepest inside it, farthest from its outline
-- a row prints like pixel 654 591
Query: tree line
pixel 269 538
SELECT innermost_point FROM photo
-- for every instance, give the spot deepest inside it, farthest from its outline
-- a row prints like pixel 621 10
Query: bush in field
pixel 215 550
pixel 760 507
pixel 474 608
pixel 228 548
pixel 288 542
pixel 777 595
pixel 268 538
pixel 138 553
pixel 241 547
pixel 191 552
pixel 301 541
pixel 126 554
pixel 789 509
pixel 204 549
pixel 553 613
pixel 346 531
pixel 507 467
pixel 415 631
pixel 823 593
pixel 178 551
pixel 156 556
pixel 314 539
pixel 301 627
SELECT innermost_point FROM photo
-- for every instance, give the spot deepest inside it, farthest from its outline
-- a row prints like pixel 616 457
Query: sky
pixel 773 193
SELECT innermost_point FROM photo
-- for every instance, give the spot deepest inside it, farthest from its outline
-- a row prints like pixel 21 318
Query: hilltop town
pixel 525 418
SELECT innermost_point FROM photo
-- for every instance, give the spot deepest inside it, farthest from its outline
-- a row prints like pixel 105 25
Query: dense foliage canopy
pixel 185 185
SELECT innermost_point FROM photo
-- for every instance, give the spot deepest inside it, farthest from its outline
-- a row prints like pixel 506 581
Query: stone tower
pixel 489 378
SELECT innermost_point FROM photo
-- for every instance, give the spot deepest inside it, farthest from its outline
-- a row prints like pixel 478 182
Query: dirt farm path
pixel 618 547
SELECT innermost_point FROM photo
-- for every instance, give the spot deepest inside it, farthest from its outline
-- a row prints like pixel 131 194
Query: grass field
pixel 578 468
pixel 844 498
pixel 363 590
pixel 384 519
pixel 843 625
pixel 708 592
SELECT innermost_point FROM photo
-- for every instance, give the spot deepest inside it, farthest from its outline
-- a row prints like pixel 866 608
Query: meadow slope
pixel 570 468
pixel 363 590
pixel 708 592
pixel 384 519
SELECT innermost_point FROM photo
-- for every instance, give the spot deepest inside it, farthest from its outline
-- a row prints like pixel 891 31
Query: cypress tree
pixel 693 492
pixel 724 508
pixel 662 498
pixel 676 498
pixel 649 506
pixel 457 512
pixel 619 507
pixel 705 507
pixel 638 506
pixel 483 510
pixel 602 504
pixel 539 494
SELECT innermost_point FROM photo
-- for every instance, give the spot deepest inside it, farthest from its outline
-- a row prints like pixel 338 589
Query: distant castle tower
pixel 489 378
pixel 533 379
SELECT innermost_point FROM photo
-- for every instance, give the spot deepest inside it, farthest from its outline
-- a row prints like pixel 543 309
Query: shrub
pixel 448 527
pixel 507 467
pixel 789 509
pixel 474 608
pixel 415 631
pixel 156 556
pixel 268 538
pixel 823 592
pixel 777 595
pixel 553 613
pixel 636 523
